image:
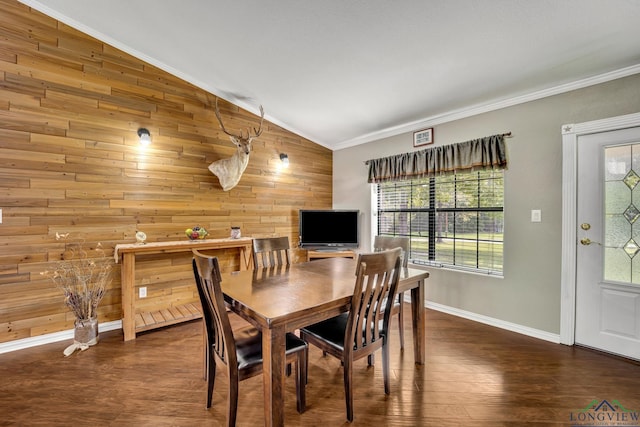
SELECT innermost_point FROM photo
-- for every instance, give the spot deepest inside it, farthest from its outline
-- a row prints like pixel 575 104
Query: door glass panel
pixel 622 213
pixel 618 231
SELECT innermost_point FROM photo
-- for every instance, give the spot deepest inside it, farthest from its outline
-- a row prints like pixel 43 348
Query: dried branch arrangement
pixel 83 280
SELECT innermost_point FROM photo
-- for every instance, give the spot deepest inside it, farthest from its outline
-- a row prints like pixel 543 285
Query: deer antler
pixel 259 130
pixel 241 136
pixel 220 121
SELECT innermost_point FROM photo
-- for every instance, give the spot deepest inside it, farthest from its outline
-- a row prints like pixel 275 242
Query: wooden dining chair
pixel 239 351
pixel 271 252
pixel 358 333
pixel 381 243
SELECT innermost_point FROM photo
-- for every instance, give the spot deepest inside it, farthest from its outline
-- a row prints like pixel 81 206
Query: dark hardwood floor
pixel 475 375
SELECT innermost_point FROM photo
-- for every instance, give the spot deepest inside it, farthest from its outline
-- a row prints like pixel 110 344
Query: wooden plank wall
pixel 70 162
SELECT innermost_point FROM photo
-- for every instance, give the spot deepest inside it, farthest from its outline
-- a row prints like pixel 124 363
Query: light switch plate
pixel 536 215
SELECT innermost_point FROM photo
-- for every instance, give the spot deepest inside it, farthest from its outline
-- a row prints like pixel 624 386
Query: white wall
pixel 529 293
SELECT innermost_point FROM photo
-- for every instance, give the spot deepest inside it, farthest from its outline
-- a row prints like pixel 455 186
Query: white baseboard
pixel 513 327
pixel 23 343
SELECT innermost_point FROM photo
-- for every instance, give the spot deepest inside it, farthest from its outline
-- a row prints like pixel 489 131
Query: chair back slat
pixel 219 333
pixel 376 286
pixel 271 252
pixel 382 243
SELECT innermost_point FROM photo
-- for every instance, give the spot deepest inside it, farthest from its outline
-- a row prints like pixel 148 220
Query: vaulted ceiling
pixel 346 72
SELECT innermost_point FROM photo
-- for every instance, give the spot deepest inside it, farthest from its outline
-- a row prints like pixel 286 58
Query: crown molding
pixel 485 108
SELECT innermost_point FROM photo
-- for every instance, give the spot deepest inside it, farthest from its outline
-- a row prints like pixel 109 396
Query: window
pixel 454 221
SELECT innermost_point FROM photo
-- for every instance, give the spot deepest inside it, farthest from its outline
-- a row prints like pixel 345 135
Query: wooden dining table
pixel 282 299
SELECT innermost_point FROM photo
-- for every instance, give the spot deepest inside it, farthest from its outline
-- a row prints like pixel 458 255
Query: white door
pixel 608 248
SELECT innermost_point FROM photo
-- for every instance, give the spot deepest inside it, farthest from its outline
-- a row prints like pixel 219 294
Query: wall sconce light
pixel 285 160
pixel 145 136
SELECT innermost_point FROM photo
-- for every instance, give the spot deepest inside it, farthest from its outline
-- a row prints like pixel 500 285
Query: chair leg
pixel 205 374
pixel 301 380
pixel 211 377
pixel 401 319
pixel 385 366
pixel 306 362
pixel 232 403
pixel 348 387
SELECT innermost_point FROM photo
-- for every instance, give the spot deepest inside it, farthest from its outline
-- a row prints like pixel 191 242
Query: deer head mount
pixel 229 170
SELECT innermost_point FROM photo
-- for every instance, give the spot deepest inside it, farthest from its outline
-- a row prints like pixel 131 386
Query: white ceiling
pixel 345 72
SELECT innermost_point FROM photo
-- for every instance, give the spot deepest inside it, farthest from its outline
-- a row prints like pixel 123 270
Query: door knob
pixel 586 242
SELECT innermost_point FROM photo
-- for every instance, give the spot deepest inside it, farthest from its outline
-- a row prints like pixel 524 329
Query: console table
pixel 128 251
pixel 330 254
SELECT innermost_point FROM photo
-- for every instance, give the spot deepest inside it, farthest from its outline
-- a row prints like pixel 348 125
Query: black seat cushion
pixel 249 346
pixel 294 343
pixel 332 330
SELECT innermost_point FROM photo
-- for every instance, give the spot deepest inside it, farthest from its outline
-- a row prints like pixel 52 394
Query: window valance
pixel 483 153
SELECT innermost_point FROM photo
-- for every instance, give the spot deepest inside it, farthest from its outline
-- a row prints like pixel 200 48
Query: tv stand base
pixel 330 254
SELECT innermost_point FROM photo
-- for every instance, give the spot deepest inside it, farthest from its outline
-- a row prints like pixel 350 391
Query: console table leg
pixel 128 276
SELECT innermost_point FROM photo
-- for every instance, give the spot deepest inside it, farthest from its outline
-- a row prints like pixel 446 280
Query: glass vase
pixel 86 331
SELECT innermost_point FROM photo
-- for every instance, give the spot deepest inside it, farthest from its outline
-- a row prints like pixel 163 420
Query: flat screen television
pixel 329 229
